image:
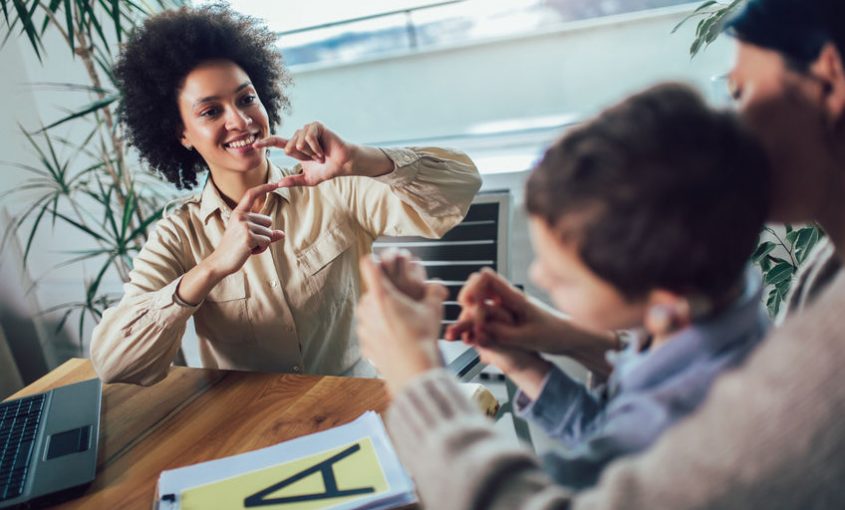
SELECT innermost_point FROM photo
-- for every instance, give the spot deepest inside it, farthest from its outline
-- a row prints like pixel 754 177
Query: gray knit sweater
pixel 771 435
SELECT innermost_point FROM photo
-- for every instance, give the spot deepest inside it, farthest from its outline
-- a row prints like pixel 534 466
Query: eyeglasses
pixel 724 91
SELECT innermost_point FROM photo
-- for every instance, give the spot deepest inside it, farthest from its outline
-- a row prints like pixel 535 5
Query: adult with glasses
pixel 771 434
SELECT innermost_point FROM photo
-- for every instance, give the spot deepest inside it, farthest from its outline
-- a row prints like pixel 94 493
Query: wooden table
pixel 196 415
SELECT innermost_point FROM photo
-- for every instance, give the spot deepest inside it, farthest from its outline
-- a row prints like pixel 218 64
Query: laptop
pixel 48 442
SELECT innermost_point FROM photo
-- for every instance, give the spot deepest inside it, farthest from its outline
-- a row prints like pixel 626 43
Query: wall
pixel 574 70
pixel 18 308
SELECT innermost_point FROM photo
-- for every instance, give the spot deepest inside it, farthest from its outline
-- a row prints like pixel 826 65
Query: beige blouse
pixel 290 308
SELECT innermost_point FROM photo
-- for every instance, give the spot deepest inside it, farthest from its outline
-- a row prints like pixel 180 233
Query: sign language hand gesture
pixel 397 332
pixel 323 155
pixel 247 233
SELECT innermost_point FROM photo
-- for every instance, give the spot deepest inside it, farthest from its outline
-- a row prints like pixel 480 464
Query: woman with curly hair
pixel 264 259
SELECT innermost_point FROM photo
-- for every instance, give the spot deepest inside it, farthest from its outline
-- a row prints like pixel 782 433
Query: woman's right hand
pixel 247 233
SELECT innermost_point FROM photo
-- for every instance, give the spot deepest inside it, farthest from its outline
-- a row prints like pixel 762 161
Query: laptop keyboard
pixel 18 424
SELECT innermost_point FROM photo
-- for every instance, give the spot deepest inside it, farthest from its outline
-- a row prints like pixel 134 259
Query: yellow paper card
pixel 322 480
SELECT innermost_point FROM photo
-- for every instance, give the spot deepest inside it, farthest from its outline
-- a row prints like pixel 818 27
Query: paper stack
pixel 347 467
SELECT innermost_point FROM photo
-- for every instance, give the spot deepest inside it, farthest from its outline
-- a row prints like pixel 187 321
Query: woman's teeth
pixel 237 144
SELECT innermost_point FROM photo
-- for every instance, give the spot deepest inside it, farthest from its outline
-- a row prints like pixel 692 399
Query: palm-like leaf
pixel 712 16
pixel 83 182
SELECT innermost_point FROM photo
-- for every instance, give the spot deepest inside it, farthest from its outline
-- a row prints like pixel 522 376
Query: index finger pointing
pixel 271 141
pixel 252 194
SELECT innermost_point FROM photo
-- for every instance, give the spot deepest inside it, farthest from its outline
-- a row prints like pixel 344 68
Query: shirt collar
pixel 211 200
pixel 743 322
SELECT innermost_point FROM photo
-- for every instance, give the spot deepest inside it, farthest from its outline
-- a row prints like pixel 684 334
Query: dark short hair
pixel 798 29
pixel 658 191
pixel 159 55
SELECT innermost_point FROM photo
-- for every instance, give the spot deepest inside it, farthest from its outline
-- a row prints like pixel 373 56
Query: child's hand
pixel 509 360
pixel 527 369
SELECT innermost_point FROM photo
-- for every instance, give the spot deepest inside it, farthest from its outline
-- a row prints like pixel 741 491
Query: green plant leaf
pixel 696 12
pixel 129 207
pixel 40 152
pixel 115 16
pixel 762 250
pixel 17 223
pixel 25 17
pixel 80 226
pixel 89 254
pixel 773 303
pixel 104 65
pixel 90 20
pixel 54 4
pixel 804 242
pixel 791 236
pixel 141 230
pixel 32 232
pixel 708 28
pixel 66 87
pixel 70 26
pixel 63 320
pixel 780 272
pixel 95 284
pixel 85 110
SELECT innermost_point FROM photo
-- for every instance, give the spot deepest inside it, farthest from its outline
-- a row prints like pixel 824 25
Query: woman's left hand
pixel 323 155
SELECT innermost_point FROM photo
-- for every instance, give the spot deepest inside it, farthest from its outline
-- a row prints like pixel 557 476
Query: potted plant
pixel 90 186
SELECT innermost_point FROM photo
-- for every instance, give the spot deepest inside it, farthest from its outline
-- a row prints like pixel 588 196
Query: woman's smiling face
pixel 222 116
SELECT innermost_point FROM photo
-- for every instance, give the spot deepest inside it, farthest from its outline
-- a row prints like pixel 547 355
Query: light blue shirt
pixel 647 391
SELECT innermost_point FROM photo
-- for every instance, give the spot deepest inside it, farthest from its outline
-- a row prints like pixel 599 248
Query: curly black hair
pixel 157 57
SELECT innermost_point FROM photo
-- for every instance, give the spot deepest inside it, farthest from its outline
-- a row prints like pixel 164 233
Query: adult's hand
pixel 404 271
pixel 324 155
pixel 398 334
pixel 247 233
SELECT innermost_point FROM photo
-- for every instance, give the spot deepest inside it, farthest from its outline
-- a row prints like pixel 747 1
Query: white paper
pixel 401 489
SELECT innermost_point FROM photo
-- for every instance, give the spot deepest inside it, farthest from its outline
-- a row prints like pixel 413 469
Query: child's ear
pixel 666 312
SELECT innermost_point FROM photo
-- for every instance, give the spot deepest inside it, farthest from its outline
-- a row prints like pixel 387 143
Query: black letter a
pixel 326 470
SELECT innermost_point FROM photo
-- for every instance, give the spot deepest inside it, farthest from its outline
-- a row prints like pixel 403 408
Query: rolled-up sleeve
pixel 428 192
pixel 136 341
pixel 565 409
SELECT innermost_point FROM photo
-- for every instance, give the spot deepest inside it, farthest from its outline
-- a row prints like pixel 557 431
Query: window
pixel 349 31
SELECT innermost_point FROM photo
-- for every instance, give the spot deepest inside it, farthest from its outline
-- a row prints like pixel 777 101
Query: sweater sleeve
pixel 457 457
pixel 565 409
